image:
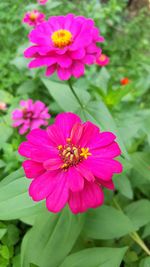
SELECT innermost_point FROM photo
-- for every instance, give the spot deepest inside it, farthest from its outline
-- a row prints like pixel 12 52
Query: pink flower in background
pixel 64 44
pixel 42 2
pixel 32 115
pixel 102 60
pixel 3 106
pixel 70 162
pixel 33 18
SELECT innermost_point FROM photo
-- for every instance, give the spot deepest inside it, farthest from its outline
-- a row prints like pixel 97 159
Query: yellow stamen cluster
pixel 72 155
pixel 61 38
pixel 85 152
pixel 33 16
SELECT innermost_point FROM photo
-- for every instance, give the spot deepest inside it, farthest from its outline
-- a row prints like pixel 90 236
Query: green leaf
pixel 115 96
pixel 5 97
pixel 48 233
pixel 4 252
pixel 146 231
pixel 98 113
pixel 145 262
pixel 2 232
pixel 14 199
pixel 140 161
pixel 95 257
pixel 16 261
pixel 12 236
pixel 107 223
pixel 2 163
pixel 139 212
pixel 5 133
pixel 64 97
pixel 123 185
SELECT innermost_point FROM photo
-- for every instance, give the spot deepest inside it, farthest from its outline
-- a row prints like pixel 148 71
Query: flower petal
pixel 59 196
pixel 103 168
pixel 43 185
pixel 75 180
pixel 90 197
pixel 38 137
pixel 32 169
pixel 65 121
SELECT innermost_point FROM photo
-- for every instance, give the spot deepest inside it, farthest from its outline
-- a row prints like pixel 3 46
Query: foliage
pixel 116 234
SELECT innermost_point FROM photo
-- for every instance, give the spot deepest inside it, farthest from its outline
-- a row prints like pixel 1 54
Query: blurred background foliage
pixel 123 109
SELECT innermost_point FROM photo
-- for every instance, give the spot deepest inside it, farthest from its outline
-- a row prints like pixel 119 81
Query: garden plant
pixel 75 133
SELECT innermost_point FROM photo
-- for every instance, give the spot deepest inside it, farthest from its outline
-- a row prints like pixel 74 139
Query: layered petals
pixel 70 162
pixel 64 44
pixel 33 18
pixel 30 116
pixel 90 197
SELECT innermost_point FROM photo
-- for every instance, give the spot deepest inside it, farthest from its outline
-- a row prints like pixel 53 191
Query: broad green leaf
pixel 14 199
pixel 16 261
pixel 106 223
pixel 123 185
pixel 12 235
pixel 2 232
pixel 98 113
pixel 51 238
pixel 115 96
pixel 95 257
pixel 2 163
pixel 5 97
pixel 146 231
pixel 139 212
pixel 26 87
pixel 100 80
pixel 5 133
pixel 145 262
pixel 64 96
pixel 140 161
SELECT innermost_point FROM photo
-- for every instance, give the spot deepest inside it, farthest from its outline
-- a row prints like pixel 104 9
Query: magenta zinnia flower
pixel 70 162
pixel 64 44
pixel 33 18
pixel 42 2
pixel 102 60
pixel 30 116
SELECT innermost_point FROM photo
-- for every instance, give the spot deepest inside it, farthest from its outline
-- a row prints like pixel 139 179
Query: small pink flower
pixel 64 44
pixel 102 60
pixel 42 2
pixel 33 18
pixel 70 162
pixel 3 106
pixel 30 116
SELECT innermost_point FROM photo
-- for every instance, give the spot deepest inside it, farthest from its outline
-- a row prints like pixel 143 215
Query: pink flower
pixel 64 44
pixel 70 162
pixel 30 116
pixel 102 60
pixel 42 2
pixel 33 18
pixel 3 106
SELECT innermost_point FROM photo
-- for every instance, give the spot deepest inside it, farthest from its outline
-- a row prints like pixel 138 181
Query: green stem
pixel 75 95
pixel 135 237
pixel 140 242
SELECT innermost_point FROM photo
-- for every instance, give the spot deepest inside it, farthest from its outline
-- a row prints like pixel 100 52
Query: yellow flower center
pixel 33 16
pixel 102 57
pixel 61 38
pixel 72 155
